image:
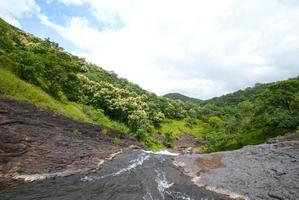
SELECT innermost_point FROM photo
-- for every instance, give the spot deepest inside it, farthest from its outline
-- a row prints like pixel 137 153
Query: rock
pixel 275 196
pixel 133 146
pixel 36 142
pixel 250 172
pixel 187 150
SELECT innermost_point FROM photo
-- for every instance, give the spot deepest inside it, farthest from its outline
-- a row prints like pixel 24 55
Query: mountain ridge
pixel 182 97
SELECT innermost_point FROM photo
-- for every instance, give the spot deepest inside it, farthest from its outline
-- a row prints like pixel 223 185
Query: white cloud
pixel 12 10
pixel 201 48
pixel 71 2
pixel 10 19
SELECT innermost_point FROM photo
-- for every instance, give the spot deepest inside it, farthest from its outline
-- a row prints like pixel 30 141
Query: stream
pixel 132 175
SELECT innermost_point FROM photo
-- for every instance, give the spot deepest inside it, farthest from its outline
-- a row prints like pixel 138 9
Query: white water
pixel 137 162
pixel 162 182
pixel 163 152
pixel 148 196
pixel 180 195
pixel 134 163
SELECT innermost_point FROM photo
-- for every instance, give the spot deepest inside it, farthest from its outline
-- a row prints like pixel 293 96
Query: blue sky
pixel 199 48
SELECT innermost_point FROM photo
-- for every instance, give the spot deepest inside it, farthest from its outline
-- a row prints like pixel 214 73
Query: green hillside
pixel 178 96
pixel 43 73
pixel 13 87
pixel 255 114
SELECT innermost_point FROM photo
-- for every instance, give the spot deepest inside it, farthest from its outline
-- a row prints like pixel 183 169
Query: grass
pixel 13 87
pixel 176 127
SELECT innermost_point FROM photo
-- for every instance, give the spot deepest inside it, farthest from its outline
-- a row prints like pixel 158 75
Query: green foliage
pixel 41 72
pixel 278 106
pixel 11 86
pixel 169 140
pixel 259 113
pixel 98 116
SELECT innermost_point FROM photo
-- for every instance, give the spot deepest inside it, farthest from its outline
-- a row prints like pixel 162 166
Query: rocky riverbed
pixel 133 175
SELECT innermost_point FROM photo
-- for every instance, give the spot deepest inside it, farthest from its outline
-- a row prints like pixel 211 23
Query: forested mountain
pixel 43 73
pixel 178 96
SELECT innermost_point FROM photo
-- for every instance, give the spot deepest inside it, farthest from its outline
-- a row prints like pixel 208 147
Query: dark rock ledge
pixel 37 144
pixel 266 171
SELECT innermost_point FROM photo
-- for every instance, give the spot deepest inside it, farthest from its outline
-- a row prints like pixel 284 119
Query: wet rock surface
pixel 34 142
pixel 266 171
pixel 132 175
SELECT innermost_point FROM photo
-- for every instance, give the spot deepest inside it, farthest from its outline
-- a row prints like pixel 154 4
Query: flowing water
pixel 133 175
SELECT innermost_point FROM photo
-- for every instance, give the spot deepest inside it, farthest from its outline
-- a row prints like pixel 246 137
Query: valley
pixel 69 129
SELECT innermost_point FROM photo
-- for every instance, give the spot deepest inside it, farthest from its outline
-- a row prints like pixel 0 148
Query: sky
pixel 198 48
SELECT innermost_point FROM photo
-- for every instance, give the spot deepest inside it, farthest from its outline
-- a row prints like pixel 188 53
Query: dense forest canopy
pixel 247 116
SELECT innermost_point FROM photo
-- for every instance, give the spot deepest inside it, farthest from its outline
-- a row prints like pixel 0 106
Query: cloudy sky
pixel 196 47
